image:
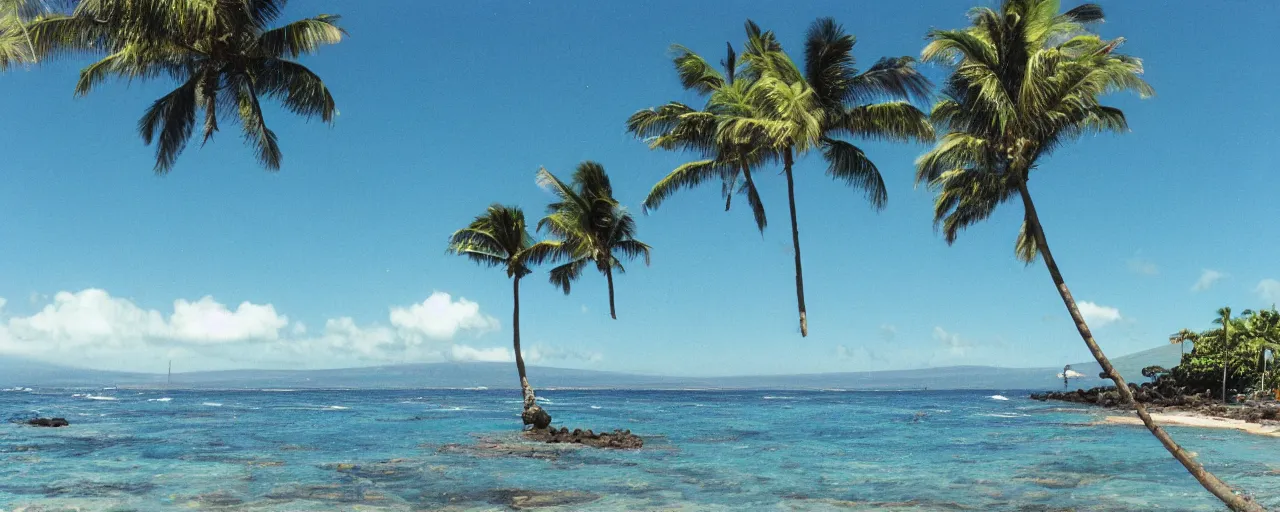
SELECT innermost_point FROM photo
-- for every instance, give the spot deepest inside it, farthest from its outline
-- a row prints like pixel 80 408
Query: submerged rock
pixel 48 422
pixel 522 499
pixel 619 439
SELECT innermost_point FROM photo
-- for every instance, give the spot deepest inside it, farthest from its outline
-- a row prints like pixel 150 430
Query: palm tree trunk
pixel 1206 479
pixel 529 399
pixel 1224 378
pixel 608 274
pixel 795 242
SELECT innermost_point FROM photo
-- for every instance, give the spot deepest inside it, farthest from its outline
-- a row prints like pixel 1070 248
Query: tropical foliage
pixel 500 238
pixel 1026 79
pixel 224 55
pixel 768 109
pixel 588 226
pixel 1239 358
pixel 16 47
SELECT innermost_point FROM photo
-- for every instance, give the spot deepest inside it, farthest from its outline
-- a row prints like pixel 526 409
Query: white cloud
pixel 206 321
pixel 491 355
pixel 951 342
pixel 1097 315
pixel 1268 289
pixel 1208 278
pixel 2 303
pixel 91 328
pixel 1143 266
pixel 93 316
pixel 440 317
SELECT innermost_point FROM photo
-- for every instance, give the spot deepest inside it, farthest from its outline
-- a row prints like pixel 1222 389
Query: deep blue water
pixel 747 450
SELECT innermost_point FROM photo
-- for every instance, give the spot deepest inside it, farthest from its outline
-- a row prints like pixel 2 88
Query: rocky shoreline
pixel 1172 400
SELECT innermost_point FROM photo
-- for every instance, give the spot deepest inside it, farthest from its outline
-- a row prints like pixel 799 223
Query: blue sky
pixel 447 108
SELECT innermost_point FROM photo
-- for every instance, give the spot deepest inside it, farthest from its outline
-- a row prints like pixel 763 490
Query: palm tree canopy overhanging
pixel 497 238
pixel 224 54
pixel 1006 106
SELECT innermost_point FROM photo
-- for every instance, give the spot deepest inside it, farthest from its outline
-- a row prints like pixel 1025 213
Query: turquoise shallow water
pixel 748 450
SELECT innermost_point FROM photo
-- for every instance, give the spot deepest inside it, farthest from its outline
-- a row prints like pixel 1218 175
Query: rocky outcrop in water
pixel 1165 395
pixel 619 439
pixel 48 422
pixel 1164 392
pixel 537 417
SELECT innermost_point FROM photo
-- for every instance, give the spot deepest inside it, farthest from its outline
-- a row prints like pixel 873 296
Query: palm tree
pixel 789 111
pixel 223 54
pixel 500 238
pixel 1026 79
pixel 676 126
pixel 1224 319
pixel 1181 337
pixel 590 226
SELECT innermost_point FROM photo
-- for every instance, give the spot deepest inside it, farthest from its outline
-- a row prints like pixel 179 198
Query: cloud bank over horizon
pixel 93 329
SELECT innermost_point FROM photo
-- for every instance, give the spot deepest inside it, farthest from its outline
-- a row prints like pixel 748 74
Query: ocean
pixel 705 450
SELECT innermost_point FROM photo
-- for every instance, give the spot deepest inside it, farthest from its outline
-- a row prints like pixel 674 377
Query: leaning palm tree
pixel 789 111
pixel 1025 80
pixel 500 238
pixel 224 54
pixel 590 227
pixel 1182 337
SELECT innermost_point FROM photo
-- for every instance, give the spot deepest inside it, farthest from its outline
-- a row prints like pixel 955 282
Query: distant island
pixel 17 372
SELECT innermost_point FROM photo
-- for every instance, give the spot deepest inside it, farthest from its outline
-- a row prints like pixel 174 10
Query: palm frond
pixel 254 124
pixel 849 164
pixel 297 88
pixel 696 74
pixel 1025 248
pixel 632 249
pixel 894 121
pixel 304 36
pixel 688 175
pixel 828 60
pixel 891 78
pixel 174 117
pixel 564 275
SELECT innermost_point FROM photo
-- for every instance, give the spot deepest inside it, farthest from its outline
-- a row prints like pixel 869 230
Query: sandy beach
pixel 1189 419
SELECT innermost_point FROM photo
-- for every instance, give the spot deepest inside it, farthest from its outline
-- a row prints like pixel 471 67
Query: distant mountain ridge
pixel 16 372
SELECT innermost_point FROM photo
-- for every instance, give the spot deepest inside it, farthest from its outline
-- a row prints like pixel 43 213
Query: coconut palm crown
pixel 223 53
pixel 588 226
